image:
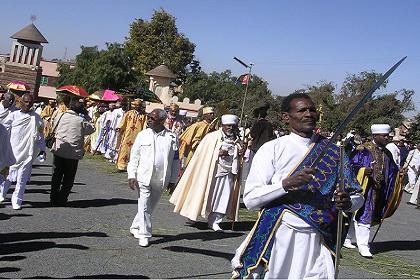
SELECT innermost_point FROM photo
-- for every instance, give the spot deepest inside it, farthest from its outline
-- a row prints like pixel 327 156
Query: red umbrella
pixel 73 90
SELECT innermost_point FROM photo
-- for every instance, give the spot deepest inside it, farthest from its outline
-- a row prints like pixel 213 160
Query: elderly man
pixel 68 150
pixel 153 166
pixel 191 137
pixel 26 138
pixel 7 105
pixel 378 174
pixel 296 230
pixel 131 124
pixel 207 186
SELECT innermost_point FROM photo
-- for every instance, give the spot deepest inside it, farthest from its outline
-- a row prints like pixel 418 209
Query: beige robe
pixel 192 192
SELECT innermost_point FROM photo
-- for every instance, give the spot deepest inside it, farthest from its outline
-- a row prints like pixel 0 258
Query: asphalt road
pixel 90 238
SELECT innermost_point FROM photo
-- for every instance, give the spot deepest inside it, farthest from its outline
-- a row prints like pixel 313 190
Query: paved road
pixel 90 238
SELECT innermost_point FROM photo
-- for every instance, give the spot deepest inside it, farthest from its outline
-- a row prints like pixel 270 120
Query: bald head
pixel 8 99
pixel 27 102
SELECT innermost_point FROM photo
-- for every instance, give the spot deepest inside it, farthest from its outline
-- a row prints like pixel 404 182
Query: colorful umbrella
pixel 105 95
pixel 18 87
pixel 144 94
pixel 73 90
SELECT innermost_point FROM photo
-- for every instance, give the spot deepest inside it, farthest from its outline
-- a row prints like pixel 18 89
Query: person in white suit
pixel 153 166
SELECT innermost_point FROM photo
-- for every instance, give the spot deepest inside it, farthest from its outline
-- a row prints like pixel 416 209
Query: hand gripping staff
pixel 333 139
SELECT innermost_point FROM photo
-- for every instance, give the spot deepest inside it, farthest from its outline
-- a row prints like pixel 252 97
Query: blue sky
pixel 292 43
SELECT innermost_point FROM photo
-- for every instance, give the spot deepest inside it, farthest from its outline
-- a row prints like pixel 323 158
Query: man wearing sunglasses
pixel 153 166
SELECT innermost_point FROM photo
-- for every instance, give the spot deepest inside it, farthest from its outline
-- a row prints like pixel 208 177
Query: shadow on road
pixel 25 236
pixel 397 245
pixel 7 216
pixel 205 236
pixel 13 248
pixel 211 253
pixel 48 183
pixel 41 165
pixel 12 258
pixel 9 269
pixel 88 203
pixel 238 226
pixel 98 276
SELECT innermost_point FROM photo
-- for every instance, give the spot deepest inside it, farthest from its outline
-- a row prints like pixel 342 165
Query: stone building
pixel 160 79
pixel 23 62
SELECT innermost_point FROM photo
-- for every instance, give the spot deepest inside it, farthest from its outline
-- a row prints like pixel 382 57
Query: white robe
pixel 4 112
pixel 297 250
pixel 26 138
pixel 6 153
pixel 413 164
pixel 115 118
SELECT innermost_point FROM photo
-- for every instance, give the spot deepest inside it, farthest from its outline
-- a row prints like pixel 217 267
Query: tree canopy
pixel 158 42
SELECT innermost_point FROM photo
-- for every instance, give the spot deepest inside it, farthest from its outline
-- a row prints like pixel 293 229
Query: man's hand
pixel 133 184
pixel 223 153
pixel 301 178
pixel 342 201
pixel 171 188
pixel 368 171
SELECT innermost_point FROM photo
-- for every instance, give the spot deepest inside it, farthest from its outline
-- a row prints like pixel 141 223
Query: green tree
pixel 99 69
pixel 159 42
pixel 414 131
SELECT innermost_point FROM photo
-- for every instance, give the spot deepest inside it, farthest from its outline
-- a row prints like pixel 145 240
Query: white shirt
pixel 395 153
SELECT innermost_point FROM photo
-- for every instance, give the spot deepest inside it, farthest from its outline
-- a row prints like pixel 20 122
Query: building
pixel 160 79
pixel 23 62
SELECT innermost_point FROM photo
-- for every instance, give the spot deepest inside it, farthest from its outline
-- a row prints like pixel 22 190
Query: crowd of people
pixel 200 164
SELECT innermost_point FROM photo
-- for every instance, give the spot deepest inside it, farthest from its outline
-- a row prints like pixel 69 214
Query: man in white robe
pixel 27 138
pixel 7 105
pixel 153 166
pixel 207 185
pixel 298 249
pixel 114 118
pixel 412 164
pixel 6 155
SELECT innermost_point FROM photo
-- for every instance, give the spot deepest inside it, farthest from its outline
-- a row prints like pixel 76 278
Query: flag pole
pixel 246 87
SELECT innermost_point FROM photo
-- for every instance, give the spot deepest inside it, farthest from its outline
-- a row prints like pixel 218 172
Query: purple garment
pixel 376 200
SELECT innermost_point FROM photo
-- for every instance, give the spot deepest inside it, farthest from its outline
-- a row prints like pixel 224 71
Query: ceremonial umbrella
pixel 73 90
pixel 105 95
pixel 141 93
pixel 18 87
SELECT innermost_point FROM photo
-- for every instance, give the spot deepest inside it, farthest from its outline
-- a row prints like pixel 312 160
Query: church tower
pixel 24 59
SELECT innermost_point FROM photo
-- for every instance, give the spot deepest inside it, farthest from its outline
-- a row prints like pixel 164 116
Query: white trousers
pixel 215 218
pixel 362 235
pixel 148 198
pixel 21 176
pixel 413 198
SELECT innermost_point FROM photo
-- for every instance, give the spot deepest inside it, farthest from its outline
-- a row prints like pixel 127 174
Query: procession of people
pixel 200 165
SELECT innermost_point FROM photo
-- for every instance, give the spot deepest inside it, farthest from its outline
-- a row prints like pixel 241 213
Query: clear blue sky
pixel 292 43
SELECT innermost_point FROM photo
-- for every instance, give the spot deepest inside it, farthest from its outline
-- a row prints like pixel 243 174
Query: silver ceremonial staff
pixel 333 139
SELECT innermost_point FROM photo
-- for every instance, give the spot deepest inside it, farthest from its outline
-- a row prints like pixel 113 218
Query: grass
pixel 385 265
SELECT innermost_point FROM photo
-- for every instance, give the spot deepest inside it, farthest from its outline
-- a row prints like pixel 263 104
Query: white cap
pixel 182 112
pixel 230 119
pixel 380 128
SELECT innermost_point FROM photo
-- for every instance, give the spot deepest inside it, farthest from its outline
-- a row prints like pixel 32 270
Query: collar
pixel 303 140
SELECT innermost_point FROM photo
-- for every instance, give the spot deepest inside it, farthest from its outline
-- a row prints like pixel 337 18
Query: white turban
pixel 230 119
pixel 380 129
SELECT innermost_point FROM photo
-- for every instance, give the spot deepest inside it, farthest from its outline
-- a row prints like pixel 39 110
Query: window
pixel 44 81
